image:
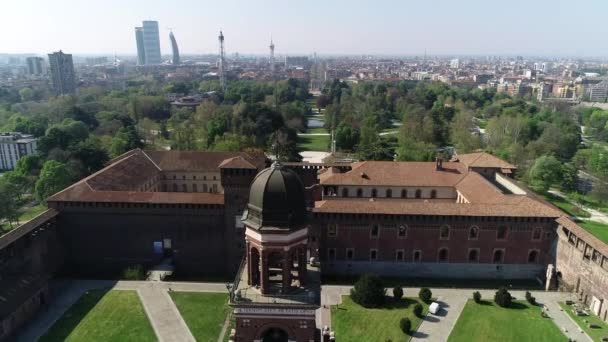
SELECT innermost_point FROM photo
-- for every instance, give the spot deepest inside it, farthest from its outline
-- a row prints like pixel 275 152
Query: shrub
pixel 398 292
pixel 503 298
pixel 425 294
pixel 418 310
pixel 406 325
pixel 477 297
pixel 135 272
pixel 369 291
pixel 530 299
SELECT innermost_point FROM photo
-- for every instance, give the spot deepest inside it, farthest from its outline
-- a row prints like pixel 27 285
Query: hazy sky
pixel 547 27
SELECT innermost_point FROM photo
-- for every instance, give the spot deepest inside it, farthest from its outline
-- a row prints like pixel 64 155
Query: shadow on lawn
pixel 71 318
pixel 402 303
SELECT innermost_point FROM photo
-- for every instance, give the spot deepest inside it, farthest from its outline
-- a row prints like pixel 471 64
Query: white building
pixel 14 146
pixel 455 63
pixel 599 92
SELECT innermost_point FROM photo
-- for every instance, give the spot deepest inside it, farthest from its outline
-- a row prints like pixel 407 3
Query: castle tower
pixel 276 293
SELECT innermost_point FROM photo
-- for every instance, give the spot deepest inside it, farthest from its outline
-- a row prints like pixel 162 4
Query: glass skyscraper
pixel 141 52
pixel 175 59
pixel 62 73
pixel 151 42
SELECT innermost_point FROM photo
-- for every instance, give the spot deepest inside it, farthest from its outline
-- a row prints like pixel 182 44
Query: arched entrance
pixel 254 264
pixel 275 335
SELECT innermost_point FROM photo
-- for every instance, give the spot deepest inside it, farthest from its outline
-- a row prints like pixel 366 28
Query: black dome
pixel 276 200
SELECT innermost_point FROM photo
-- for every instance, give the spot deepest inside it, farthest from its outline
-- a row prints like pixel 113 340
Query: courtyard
pixel 203 312
pixel 590 323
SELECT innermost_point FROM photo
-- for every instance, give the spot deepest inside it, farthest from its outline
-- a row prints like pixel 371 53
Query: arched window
pixel 374 231
pixel 374 193
pixel 174 187
pixel 359 192
pixel 404 193
pixel 399 255
pixel 444 232
pixel 389 193
pixel 402 231
pixel 498 257
pixel 533 257
pixel 417 256
pixel 418 193
pixel 433 193
pixel 473 255
pixel 501 233
pixel 536 234
pixel 331 254
pixel 443 254
pixel 345 192
pixel 473 233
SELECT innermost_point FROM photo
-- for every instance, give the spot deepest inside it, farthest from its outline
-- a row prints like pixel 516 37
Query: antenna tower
pixel 271 56
pixel 222 62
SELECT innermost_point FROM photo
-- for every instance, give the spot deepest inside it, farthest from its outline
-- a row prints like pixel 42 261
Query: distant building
pixel 35 65
pixel 62 73
pixel 175 60
pixel 96 60
pixel 141 52
pixel 151 42
pixel 598 92
pixel 455 63
pixel 13 146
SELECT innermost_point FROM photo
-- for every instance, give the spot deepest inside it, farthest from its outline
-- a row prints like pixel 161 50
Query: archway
pixel 275 335
pixel 254 264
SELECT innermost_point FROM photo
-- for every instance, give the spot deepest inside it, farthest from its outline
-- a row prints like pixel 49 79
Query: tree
pixel 569 177
pixel 54 177
pixel 184 137
pixel 125 140
pixel 369 291
pixel 347 136
pixel 27 94
pixel 425 294
pixel 9 209
pixel 477 297
pixel 531 299
pixel 463 135
pixel 91 153
pixel 418 310
pixel 503 298
pixel 545 172
pixel 398 293
pixel 406 325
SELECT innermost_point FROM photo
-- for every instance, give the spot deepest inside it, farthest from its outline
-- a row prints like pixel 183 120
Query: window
pixel 184 188
pixel 444 232
pixel 389 193
pixel 433 193
pixel 501 233
pixel 215 188
pixel 473 255
pixel 332 229
pixel 194 187
pixel 350 253
pixel 418 193
pixel 399 255
pixel 174 177
pixel 345 192
pixel 536 234
pixel 359 192
pixel 331 254
pixel 403 193
pixel 205 188
pixel 498 257
pixel 194 177
pixel 442 255
pixel 374 193
pixel 174 187
pixel 473 233
pixel 402 231
pixel 533 257
pixel 374 232
pixel 373 254
pixel 417 256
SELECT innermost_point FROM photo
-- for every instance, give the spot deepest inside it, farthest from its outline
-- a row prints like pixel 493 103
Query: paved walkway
pixel 438 327
pixel 154 296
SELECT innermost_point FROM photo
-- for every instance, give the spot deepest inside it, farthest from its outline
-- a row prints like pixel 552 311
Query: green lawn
pixel 316 130
pixel 204 313
pixel 353 322
pixel 488 322
pixel 25 215
pixel 567 206
pixel 103 316
pixel 313 143
pixel 599 230
pixel 597 333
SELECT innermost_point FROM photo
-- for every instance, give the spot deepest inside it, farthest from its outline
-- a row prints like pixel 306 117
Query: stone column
pixel 264 271
pixel 249 264
pixel 287 263
pixel 302 266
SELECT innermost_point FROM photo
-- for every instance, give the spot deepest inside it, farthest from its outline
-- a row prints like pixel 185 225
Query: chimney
pixel 438 163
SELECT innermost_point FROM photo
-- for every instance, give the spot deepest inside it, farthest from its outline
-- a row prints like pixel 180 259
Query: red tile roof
pixel 483 159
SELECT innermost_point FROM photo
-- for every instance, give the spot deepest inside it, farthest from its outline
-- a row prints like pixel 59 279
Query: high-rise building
pixel 14 146
pixel 151 42
pixel 454 63
pixel 35 65
pixel 598 92
pixel 62 73
pixel 141 52
pixel 175 60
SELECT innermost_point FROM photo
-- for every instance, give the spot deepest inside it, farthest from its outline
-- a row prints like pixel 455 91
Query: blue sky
pixel 532 27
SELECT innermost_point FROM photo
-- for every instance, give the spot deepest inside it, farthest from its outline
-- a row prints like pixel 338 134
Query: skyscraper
pixel 151 42
pixel 35 65
pixel 62 73
pixel 141 52
pixel 175 59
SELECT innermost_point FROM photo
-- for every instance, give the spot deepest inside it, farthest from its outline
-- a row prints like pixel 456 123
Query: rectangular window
pixel 417 256
pixel 375 231
pixel 331 254
pixel 402 232
pixel 399 255
pixel 350 253
pixel 373 254
pixel 332 229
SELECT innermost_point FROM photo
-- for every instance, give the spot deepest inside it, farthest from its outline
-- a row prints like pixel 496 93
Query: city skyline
pixel 337 28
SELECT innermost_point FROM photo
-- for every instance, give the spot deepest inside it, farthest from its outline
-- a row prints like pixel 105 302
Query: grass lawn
pixel 597 333
pixel 599 230
pixel 353 322
pixel 25 216
pixel 103 316
pixel 566 206
pixel 488 322
pixel 313 143
pixel 203 312
pixel 316 130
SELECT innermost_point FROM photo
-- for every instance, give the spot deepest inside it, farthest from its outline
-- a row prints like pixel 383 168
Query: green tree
pixel 405 324
pixel 545 172
pixel 369 291
pixel 347 136
pixel 418 310
pixel 125 140
pixel 503 298
pixel 398 292
pixel 462 132
pixel 54 177
pixel 26 94
pixel 425 294
pixel 91 153
pixel 9 209
pixel 569 177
